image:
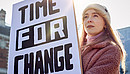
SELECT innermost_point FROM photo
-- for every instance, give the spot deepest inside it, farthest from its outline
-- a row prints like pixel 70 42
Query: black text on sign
pixel 42 33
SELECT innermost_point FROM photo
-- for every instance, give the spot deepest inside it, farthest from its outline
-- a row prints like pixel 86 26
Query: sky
pixel 119 10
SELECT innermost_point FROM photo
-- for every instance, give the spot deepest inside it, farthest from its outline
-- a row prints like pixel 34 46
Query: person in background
pixel 101 48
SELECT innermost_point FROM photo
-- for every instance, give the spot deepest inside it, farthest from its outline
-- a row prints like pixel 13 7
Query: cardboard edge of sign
pixel 78 39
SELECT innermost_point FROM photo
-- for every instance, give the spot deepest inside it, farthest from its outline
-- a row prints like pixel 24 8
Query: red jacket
pixel 101 58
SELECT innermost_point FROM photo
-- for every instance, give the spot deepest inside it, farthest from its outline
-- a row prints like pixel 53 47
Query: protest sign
pixel 44 38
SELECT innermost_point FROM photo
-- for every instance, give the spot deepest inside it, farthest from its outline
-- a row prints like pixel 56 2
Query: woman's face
pixel 93 23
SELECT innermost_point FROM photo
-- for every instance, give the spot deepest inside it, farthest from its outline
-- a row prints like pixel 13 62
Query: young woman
pixel 101 49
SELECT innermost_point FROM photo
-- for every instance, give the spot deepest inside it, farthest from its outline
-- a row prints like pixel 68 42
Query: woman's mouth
pixel 90 26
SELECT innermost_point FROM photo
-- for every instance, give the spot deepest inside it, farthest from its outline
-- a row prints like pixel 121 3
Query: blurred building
pixel 125 37
pixel 4 42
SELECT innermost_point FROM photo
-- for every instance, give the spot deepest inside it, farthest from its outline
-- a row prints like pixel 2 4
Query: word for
pixel 38 5
pixel 47 63
pixel 41 33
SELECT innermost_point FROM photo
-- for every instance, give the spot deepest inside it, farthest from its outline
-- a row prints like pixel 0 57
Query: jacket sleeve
pixel 107 63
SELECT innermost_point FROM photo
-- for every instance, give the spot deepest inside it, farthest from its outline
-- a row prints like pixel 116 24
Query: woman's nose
pixel 89 20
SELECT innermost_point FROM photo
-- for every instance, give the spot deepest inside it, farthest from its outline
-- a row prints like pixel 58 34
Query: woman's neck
pixel 92 38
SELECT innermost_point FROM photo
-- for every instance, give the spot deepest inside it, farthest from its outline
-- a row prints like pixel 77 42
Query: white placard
pixel 44 38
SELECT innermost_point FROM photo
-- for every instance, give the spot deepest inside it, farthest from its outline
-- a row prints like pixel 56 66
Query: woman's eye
pixel 85 16
pixel 95 15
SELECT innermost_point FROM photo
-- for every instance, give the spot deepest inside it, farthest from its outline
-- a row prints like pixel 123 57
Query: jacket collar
pixel 99 45
pixel 101 42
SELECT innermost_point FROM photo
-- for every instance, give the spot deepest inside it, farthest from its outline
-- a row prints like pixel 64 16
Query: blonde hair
pixel 112 34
